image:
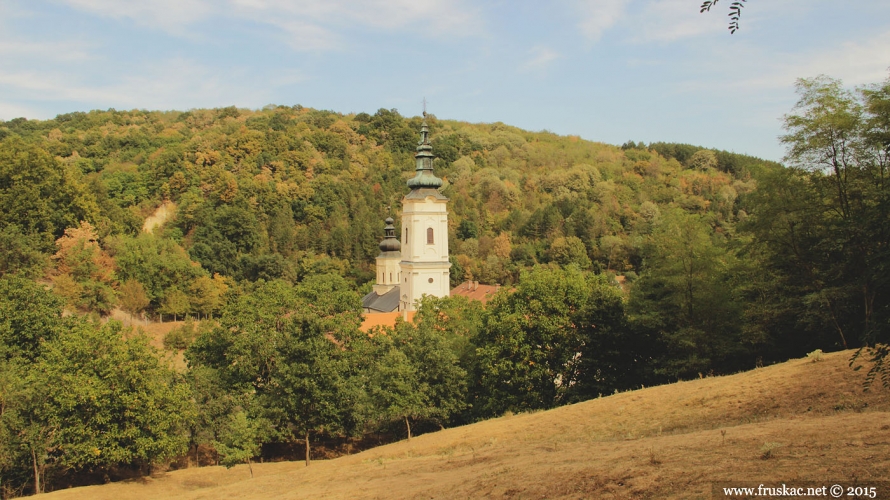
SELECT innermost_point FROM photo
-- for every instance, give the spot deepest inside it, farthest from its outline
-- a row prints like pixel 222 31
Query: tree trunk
pixel 250 467
pixel 408 424
pixel 307 448
pixel 36 472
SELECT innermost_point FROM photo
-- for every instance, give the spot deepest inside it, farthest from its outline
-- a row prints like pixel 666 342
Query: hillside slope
pixel 670 441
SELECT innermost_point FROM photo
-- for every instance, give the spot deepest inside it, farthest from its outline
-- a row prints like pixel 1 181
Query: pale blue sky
pixel 607 70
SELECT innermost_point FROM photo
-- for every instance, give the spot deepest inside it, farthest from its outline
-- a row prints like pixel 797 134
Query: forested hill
pixel 290 191
pixel 274 217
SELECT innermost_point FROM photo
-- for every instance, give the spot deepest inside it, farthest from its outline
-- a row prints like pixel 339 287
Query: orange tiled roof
pixel 370 320
pixel 475 291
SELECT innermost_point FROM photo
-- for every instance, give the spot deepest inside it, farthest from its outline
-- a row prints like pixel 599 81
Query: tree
pixel 684 297
pixel 570 250
pixel 207 294
pixel 467 229
pixel 176 303
pixel 20 252
pixel 285 344
pixel 158 263
pixel 394 387
pixel 133 298
pixel 306 388
pixel 240 440
pixel 95 399
pixel 417 373
pixel 308 392
pixel 829 233
pixel 30 315
pixel 533 346
pixel 704 159
pixel 39 194
pixel 86 268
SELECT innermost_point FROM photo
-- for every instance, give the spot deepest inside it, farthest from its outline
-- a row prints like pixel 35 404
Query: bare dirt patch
pixel 159 217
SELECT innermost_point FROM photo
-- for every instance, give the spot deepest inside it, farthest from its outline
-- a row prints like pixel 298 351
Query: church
pixel 418 264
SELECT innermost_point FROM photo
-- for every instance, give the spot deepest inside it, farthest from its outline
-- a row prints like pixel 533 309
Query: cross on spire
pixel 424 107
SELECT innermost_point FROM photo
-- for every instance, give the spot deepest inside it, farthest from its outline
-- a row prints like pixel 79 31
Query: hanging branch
pixel 735 12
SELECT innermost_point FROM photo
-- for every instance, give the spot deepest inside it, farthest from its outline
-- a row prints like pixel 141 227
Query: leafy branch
pixel 735 12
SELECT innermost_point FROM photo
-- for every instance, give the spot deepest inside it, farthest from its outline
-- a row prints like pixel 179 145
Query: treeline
pixel 728 262
pixel 288 364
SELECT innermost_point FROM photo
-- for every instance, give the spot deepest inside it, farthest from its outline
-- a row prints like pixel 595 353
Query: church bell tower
pixel 424 266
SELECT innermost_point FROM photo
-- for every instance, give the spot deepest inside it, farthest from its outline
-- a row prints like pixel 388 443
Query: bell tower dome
pixel 388 271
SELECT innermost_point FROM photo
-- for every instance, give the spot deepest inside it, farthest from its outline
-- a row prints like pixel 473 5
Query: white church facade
pixel 417 265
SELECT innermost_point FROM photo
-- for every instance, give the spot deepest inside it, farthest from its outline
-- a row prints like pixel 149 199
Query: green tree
pixel 569 250
pixel 207 294
pixel 176 303
pixel 306 389
pixel 95 399
pixel 417 374
pixel 39 194
pixel 284 343
pixel 685 297
pixel 29 316
pixel 532 347
pixel 158 263
pixel 704 159
pixel 133 298
pixel 823 227
pixel 395 388
pixel 240 440
pixel 20 252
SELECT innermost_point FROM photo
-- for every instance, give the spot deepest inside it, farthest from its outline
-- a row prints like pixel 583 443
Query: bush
pixel 181 337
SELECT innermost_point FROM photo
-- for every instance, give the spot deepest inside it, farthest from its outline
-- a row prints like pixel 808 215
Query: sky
pixel 606 70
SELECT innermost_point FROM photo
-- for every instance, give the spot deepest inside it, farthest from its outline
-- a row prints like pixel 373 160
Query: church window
pixel 429 236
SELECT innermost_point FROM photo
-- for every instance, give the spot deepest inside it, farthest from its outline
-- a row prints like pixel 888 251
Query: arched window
pixel 429 236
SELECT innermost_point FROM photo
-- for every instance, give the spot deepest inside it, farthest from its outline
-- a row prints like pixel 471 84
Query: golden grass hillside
pixel 794 422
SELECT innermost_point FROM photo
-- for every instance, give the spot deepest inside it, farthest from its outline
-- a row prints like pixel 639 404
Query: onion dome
pixel 425 178
pixel 390 243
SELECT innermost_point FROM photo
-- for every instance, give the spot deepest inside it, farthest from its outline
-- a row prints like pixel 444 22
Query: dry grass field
pixel 794 422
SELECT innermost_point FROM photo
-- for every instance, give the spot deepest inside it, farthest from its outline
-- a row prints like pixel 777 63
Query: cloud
pixel 169 15
pixel 436 17
pixel 854 62
pixel 172 84
pixel 597 16
pixel 9 110
pixel 539 58
pixel 70 51
pixel 287 78
pixel 670 20
pixel 305 25
pixel 306 22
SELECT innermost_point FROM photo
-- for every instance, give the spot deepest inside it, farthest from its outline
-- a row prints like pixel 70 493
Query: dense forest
pixel 622 267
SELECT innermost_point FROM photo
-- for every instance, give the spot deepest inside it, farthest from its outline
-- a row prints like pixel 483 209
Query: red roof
pixel 471 289
pixel 370 320
pixel 476 291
